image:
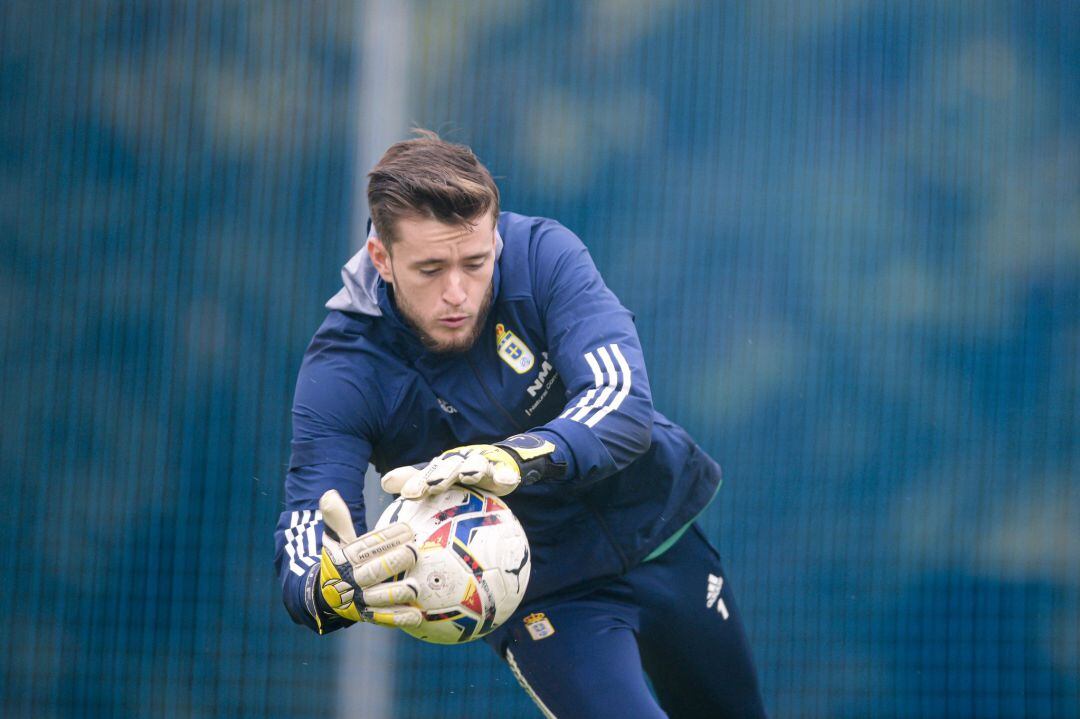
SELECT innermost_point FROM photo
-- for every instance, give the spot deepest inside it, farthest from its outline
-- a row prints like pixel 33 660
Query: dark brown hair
pixel 427 177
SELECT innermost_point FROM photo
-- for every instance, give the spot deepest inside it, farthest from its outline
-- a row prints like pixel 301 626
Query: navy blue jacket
pixel 559 357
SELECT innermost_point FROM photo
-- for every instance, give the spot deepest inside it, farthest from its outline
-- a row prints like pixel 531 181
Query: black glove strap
pixel 534 456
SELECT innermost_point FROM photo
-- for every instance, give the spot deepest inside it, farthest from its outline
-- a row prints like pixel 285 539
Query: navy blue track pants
pixel 673 618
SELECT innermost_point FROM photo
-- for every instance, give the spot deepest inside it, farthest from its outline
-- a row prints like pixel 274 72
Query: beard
pixel 458 346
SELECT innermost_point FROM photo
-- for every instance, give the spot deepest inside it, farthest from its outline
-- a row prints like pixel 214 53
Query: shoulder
pixel 347 365
pixel 534 239
pixel 535 250
pixel 348 341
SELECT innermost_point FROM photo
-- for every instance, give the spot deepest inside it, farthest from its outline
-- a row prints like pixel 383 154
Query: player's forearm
pixel 294 593
pixel 297 546
pixel 592 455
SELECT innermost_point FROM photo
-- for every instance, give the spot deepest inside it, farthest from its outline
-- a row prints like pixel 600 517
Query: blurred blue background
pixel 850 231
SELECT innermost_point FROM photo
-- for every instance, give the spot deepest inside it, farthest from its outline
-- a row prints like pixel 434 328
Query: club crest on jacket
pixel 512 350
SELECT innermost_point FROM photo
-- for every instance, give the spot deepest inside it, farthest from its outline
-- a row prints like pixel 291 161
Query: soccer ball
pixel 472 566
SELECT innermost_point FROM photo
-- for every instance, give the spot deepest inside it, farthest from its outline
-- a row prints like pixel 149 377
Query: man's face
pixel 442 278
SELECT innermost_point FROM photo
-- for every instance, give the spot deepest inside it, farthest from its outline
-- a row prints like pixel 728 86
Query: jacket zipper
pixel 491 397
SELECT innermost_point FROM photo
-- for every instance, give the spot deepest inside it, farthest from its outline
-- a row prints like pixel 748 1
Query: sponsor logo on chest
pixel 542 385
pixel 545 370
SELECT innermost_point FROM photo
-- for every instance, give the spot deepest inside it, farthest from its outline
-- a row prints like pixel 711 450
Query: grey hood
pixel 361 282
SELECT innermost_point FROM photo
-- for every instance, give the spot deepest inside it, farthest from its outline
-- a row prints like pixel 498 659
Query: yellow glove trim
pixel 489 452
pixel 498 455
pixel 330 578
pixel 385 619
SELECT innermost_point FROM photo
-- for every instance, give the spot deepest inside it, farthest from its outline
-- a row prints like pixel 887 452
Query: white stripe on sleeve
pixel 608 386
pixel 310 553
pixel 300 540
pixel 597 381
pixel 613 384
pixel 290 549
pixel 624 369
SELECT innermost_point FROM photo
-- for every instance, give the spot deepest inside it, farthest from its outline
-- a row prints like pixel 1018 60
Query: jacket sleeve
pixel 330 450
pixel 591 338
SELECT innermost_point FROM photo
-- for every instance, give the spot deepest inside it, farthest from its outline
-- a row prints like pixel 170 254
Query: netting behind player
pixel 847 230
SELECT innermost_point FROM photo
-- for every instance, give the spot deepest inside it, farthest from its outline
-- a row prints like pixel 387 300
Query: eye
pixel 474 266
pixel 429 272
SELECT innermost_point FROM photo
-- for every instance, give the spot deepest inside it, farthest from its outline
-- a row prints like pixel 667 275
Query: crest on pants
pixel 538 626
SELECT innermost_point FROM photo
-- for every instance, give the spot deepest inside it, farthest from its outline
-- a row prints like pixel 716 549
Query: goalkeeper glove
pixel 498 468
pixel 353 572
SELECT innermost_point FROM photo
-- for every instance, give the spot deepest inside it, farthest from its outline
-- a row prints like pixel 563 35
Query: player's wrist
pixel 535 456
pixel 325 618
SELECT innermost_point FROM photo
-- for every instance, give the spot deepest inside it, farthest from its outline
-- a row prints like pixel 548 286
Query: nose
pixel 453 291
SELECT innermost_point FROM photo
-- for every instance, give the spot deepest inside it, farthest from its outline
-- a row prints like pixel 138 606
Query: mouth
pixel 454 321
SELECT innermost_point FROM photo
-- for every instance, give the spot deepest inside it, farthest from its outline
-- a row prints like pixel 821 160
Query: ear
pixel 380 257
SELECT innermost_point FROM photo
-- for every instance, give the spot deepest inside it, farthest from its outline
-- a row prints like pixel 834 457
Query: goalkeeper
pixel 482 347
